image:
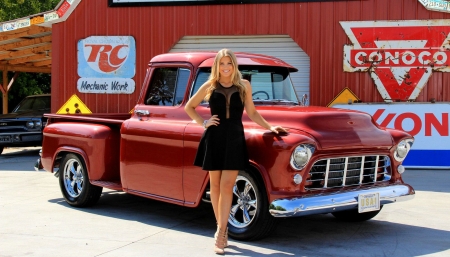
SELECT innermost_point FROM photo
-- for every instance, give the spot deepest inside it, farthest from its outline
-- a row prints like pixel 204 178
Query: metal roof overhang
pixel 27 49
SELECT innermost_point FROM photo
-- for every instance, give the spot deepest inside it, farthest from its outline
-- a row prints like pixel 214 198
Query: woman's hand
pixel 277 129
pixel 213 121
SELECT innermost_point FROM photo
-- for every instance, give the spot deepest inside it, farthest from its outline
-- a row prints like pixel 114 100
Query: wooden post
pixel 5 91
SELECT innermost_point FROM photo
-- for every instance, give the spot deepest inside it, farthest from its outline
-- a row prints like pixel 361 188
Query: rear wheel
pixel 249 216
pixel 74 182
pixel 355 216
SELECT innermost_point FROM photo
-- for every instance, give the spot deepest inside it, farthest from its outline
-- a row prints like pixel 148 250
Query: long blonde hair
pixel 236 76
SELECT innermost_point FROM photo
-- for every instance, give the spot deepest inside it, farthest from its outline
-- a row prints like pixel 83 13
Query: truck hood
pixel 332 128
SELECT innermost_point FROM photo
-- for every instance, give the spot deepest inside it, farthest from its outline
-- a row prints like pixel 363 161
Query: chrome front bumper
pixel 337 201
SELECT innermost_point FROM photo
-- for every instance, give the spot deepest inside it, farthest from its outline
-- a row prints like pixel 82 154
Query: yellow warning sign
pixel 344 97
pixel 74 106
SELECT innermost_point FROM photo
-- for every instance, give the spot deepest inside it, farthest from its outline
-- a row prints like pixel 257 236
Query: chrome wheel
pixel 245 203
pixel 73 177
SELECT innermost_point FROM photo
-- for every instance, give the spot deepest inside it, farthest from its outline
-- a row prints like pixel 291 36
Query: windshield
pixel 270 85
pixel 40 103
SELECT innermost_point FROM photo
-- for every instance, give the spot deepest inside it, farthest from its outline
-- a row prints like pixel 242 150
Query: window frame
pixel 153 67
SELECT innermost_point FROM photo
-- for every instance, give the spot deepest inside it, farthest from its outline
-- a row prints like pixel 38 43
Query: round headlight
pixel 37 123
pixel 30 124
pixel 301 156
pixel 402 149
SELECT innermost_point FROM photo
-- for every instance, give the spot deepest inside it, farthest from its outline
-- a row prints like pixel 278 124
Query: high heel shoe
pixel 220 242
pixel 226 236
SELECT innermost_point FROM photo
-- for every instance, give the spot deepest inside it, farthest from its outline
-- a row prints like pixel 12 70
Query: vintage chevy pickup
pixel 331 161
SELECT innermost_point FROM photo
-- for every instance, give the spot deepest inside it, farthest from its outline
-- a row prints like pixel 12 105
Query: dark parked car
pixel 24 125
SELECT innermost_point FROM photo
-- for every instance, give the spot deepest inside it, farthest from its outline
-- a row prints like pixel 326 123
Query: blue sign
pixel 107 57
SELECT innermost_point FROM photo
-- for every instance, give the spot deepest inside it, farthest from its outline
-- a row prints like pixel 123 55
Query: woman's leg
pixel 214 191
pixel 227 182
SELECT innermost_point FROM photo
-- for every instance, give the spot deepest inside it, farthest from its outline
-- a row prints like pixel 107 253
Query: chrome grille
pixel 348 171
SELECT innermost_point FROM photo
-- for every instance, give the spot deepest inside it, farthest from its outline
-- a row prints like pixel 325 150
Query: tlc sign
pixel 107 57
pixel 399 55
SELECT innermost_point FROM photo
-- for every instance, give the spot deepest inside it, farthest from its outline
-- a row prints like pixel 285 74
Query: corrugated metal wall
pixel 314 26
pixel 279 46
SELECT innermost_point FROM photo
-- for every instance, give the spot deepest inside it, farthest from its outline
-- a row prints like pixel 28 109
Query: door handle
pixel 142 112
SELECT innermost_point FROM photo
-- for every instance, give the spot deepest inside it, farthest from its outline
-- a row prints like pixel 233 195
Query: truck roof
pixel 206 59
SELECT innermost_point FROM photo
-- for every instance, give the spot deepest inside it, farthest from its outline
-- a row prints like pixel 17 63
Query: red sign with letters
pixel 400 55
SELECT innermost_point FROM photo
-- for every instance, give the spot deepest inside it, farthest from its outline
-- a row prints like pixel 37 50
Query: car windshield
pixel 270 85
pixel 40 103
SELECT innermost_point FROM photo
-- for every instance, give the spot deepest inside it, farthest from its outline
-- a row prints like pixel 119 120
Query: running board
pixel 108 184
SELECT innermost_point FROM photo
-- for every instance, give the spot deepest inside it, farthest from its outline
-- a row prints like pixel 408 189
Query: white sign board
pixel 106 85
pixel 427 122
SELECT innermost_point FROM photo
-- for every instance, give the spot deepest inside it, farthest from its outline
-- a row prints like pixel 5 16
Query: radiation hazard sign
pixel 74 106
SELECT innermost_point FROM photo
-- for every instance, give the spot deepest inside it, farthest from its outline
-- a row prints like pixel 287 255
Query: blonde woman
pixel 222 150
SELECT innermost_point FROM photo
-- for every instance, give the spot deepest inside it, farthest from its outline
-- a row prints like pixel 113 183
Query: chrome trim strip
pixel 376 169
pixel 361 172
pixel 37 132
pixel 327 171
pixel 337 201
pixel 344 176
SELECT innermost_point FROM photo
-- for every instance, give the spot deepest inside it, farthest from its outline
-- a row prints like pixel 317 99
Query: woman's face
pixel 226 67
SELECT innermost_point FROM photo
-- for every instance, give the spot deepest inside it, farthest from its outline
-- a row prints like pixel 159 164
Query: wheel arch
pixel 64 150
pixel 261 175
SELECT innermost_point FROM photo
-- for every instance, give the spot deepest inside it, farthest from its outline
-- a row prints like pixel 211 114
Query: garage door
pixel 280 46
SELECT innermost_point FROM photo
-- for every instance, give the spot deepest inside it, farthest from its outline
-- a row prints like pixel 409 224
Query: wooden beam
pixel 27 42
pixel 42 63
pixel 12 80
pixel 1 89
pixel 5 94
pixel 34 50
pixel 23 32
pixel 30 58
pixel 23 68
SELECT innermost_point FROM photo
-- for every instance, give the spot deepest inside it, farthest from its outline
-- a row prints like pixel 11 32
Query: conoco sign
pixel 399 55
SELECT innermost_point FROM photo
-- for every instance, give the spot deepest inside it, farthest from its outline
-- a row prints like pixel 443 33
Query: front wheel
pixel 354 216
pixel 74 182
pixel 249 216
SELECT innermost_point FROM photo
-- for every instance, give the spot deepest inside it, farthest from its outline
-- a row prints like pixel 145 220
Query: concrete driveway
pixel 36 221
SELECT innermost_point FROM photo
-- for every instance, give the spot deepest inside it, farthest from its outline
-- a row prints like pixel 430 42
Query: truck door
pixel 152 140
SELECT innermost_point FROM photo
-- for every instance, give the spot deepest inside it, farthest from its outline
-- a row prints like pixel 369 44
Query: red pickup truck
pixel 331 161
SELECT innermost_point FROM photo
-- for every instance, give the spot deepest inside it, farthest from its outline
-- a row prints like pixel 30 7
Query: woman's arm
pixel 253 114
pixel 195 100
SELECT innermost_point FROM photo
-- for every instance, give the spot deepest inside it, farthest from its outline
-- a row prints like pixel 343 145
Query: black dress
pixel 223 147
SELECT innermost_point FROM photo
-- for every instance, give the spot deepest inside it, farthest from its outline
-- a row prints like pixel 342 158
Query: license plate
pixel 368 202
pixel 5 139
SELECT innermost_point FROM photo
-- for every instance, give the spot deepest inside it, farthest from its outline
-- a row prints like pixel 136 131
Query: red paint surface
pixel 157 150
pixel 314 26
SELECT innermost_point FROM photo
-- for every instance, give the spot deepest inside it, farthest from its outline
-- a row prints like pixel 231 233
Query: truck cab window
pixel 167 86
pixel 271 85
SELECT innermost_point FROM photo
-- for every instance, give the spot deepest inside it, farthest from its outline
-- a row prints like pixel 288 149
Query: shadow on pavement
pixel 428 180
pixel 315 235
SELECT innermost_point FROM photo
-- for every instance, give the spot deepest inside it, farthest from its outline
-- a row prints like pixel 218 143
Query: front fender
pixel 270 153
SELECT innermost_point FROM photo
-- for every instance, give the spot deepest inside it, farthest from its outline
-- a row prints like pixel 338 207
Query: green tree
pixel 14 9
pixel 26 83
